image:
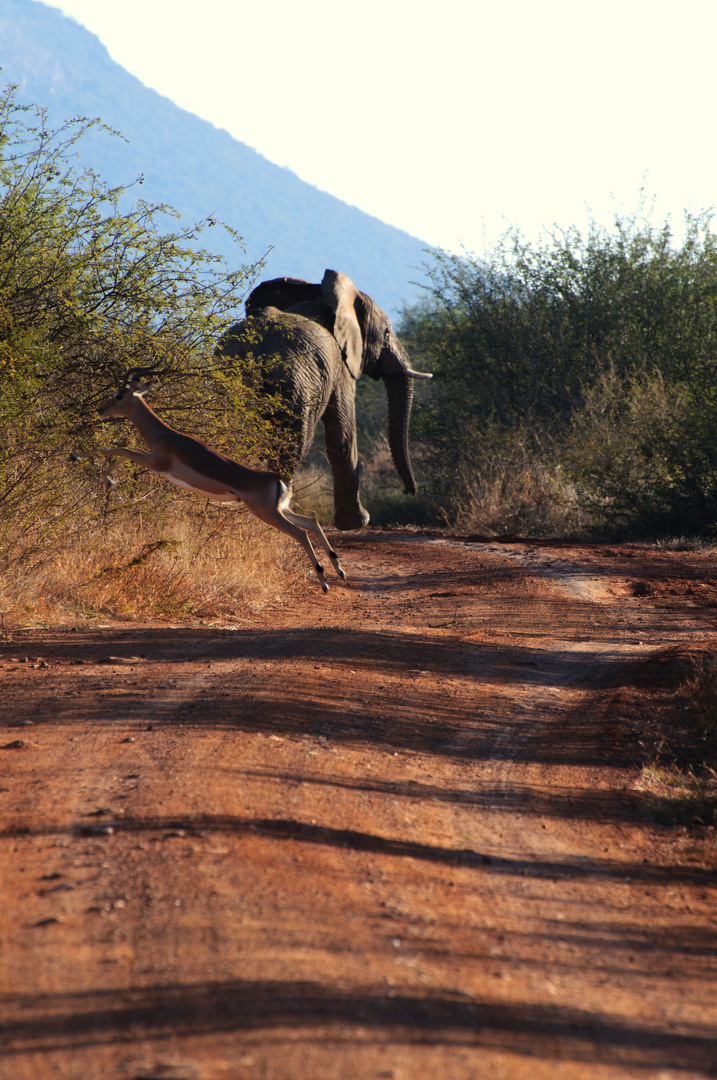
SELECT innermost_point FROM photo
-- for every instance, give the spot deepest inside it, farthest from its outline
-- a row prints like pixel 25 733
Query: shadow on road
pixel 285 1007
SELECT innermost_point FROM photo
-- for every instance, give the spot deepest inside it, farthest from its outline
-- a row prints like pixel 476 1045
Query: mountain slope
pixel 200 170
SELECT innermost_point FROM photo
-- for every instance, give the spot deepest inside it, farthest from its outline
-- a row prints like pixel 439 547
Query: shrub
pixel 516 489
pixel 641 451
pixel 91 285
pixel 598 352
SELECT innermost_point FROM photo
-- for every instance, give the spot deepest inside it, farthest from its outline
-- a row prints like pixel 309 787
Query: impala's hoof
pixel 74 457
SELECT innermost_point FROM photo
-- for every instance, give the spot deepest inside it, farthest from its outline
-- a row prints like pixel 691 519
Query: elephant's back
pixel 289 347
pixel 273 331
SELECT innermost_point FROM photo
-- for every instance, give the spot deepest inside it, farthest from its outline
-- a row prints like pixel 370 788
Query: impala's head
pixel 131 389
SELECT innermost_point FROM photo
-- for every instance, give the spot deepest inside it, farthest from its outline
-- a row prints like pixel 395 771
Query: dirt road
pixel 390 832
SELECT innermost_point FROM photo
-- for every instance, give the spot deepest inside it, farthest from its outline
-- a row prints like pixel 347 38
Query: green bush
pixel 596 352
pixel 641 450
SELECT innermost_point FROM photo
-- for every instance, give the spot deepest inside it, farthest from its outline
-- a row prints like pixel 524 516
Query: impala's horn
pixel 135 372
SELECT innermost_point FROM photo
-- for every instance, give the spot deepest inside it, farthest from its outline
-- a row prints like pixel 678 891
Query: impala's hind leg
pixel 310 526
pixel 284 525
pixel 271 506
pixel 273 514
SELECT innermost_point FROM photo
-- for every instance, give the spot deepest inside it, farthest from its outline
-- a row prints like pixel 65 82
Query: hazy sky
pixel 449 120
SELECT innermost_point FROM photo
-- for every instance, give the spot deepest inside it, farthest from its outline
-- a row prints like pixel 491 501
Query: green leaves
pixel 598 349
pixel 93 282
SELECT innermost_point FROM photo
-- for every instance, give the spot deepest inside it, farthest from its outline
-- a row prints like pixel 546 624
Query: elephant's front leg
pixel 342 452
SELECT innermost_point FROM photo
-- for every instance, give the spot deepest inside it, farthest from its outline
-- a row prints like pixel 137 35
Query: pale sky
pixel 450 121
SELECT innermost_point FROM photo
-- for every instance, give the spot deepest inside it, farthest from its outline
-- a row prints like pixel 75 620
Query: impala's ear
pixel 138 388
pixel 281 293
pixel 341 295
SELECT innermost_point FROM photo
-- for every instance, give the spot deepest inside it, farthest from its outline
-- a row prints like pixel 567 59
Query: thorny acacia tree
pixel 89 286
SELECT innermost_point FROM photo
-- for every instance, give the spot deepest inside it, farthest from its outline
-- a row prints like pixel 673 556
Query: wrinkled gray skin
pixel 325 337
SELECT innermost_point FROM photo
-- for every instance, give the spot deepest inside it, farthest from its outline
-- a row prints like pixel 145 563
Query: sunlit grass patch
pixel 686 543
pixel 519 494
pixel 679 796
pixel 191 563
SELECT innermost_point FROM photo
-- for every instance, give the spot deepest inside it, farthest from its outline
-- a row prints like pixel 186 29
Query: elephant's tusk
pixel 417 374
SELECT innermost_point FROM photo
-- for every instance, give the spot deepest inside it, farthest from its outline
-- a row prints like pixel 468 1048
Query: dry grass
pixel 192 562
pixel 381 490
pixel 679 796
pixel 700 688
pixel 313 490
pixel 517 494
pixel 679 776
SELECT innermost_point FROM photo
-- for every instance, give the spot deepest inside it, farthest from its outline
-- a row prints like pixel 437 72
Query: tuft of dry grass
pixel 191 562
pixel 700 689
pixel 313 490
pixel 680 774
pixel 519 495
pixel 680 796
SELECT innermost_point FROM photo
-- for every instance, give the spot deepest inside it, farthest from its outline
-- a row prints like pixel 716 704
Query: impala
pixel 194 466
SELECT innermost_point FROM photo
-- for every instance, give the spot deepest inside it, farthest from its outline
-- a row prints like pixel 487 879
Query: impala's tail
pixel 285 495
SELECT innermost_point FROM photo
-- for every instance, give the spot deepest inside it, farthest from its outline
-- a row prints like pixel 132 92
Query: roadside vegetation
pixel 678 741
pixel 575 388
pixel 94 281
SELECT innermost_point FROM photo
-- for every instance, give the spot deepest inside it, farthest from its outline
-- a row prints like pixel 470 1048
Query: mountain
pixel 197 168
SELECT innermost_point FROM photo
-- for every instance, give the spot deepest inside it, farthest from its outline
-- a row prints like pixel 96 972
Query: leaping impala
pixel 191 464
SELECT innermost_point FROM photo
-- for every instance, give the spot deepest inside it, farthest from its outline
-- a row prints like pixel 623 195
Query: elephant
pixel 314 342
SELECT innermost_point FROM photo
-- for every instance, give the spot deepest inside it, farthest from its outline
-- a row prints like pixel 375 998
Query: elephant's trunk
pixel 399 389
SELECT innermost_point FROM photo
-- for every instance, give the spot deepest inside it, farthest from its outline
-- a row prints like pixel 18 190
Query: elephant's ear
pixel 282 293
pixel 341 295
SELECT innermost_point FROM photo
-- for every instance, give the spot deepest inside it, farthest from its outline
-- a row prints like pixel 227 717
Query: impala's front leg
pixel 139 458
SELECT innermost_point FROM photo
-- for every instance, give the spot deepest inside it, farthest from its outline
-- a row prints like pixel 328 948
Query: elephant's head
pixel 367 341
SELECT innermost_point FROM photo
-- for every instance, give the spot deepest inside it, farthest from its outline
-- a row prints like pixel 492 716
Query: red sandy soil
pixel 392 832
